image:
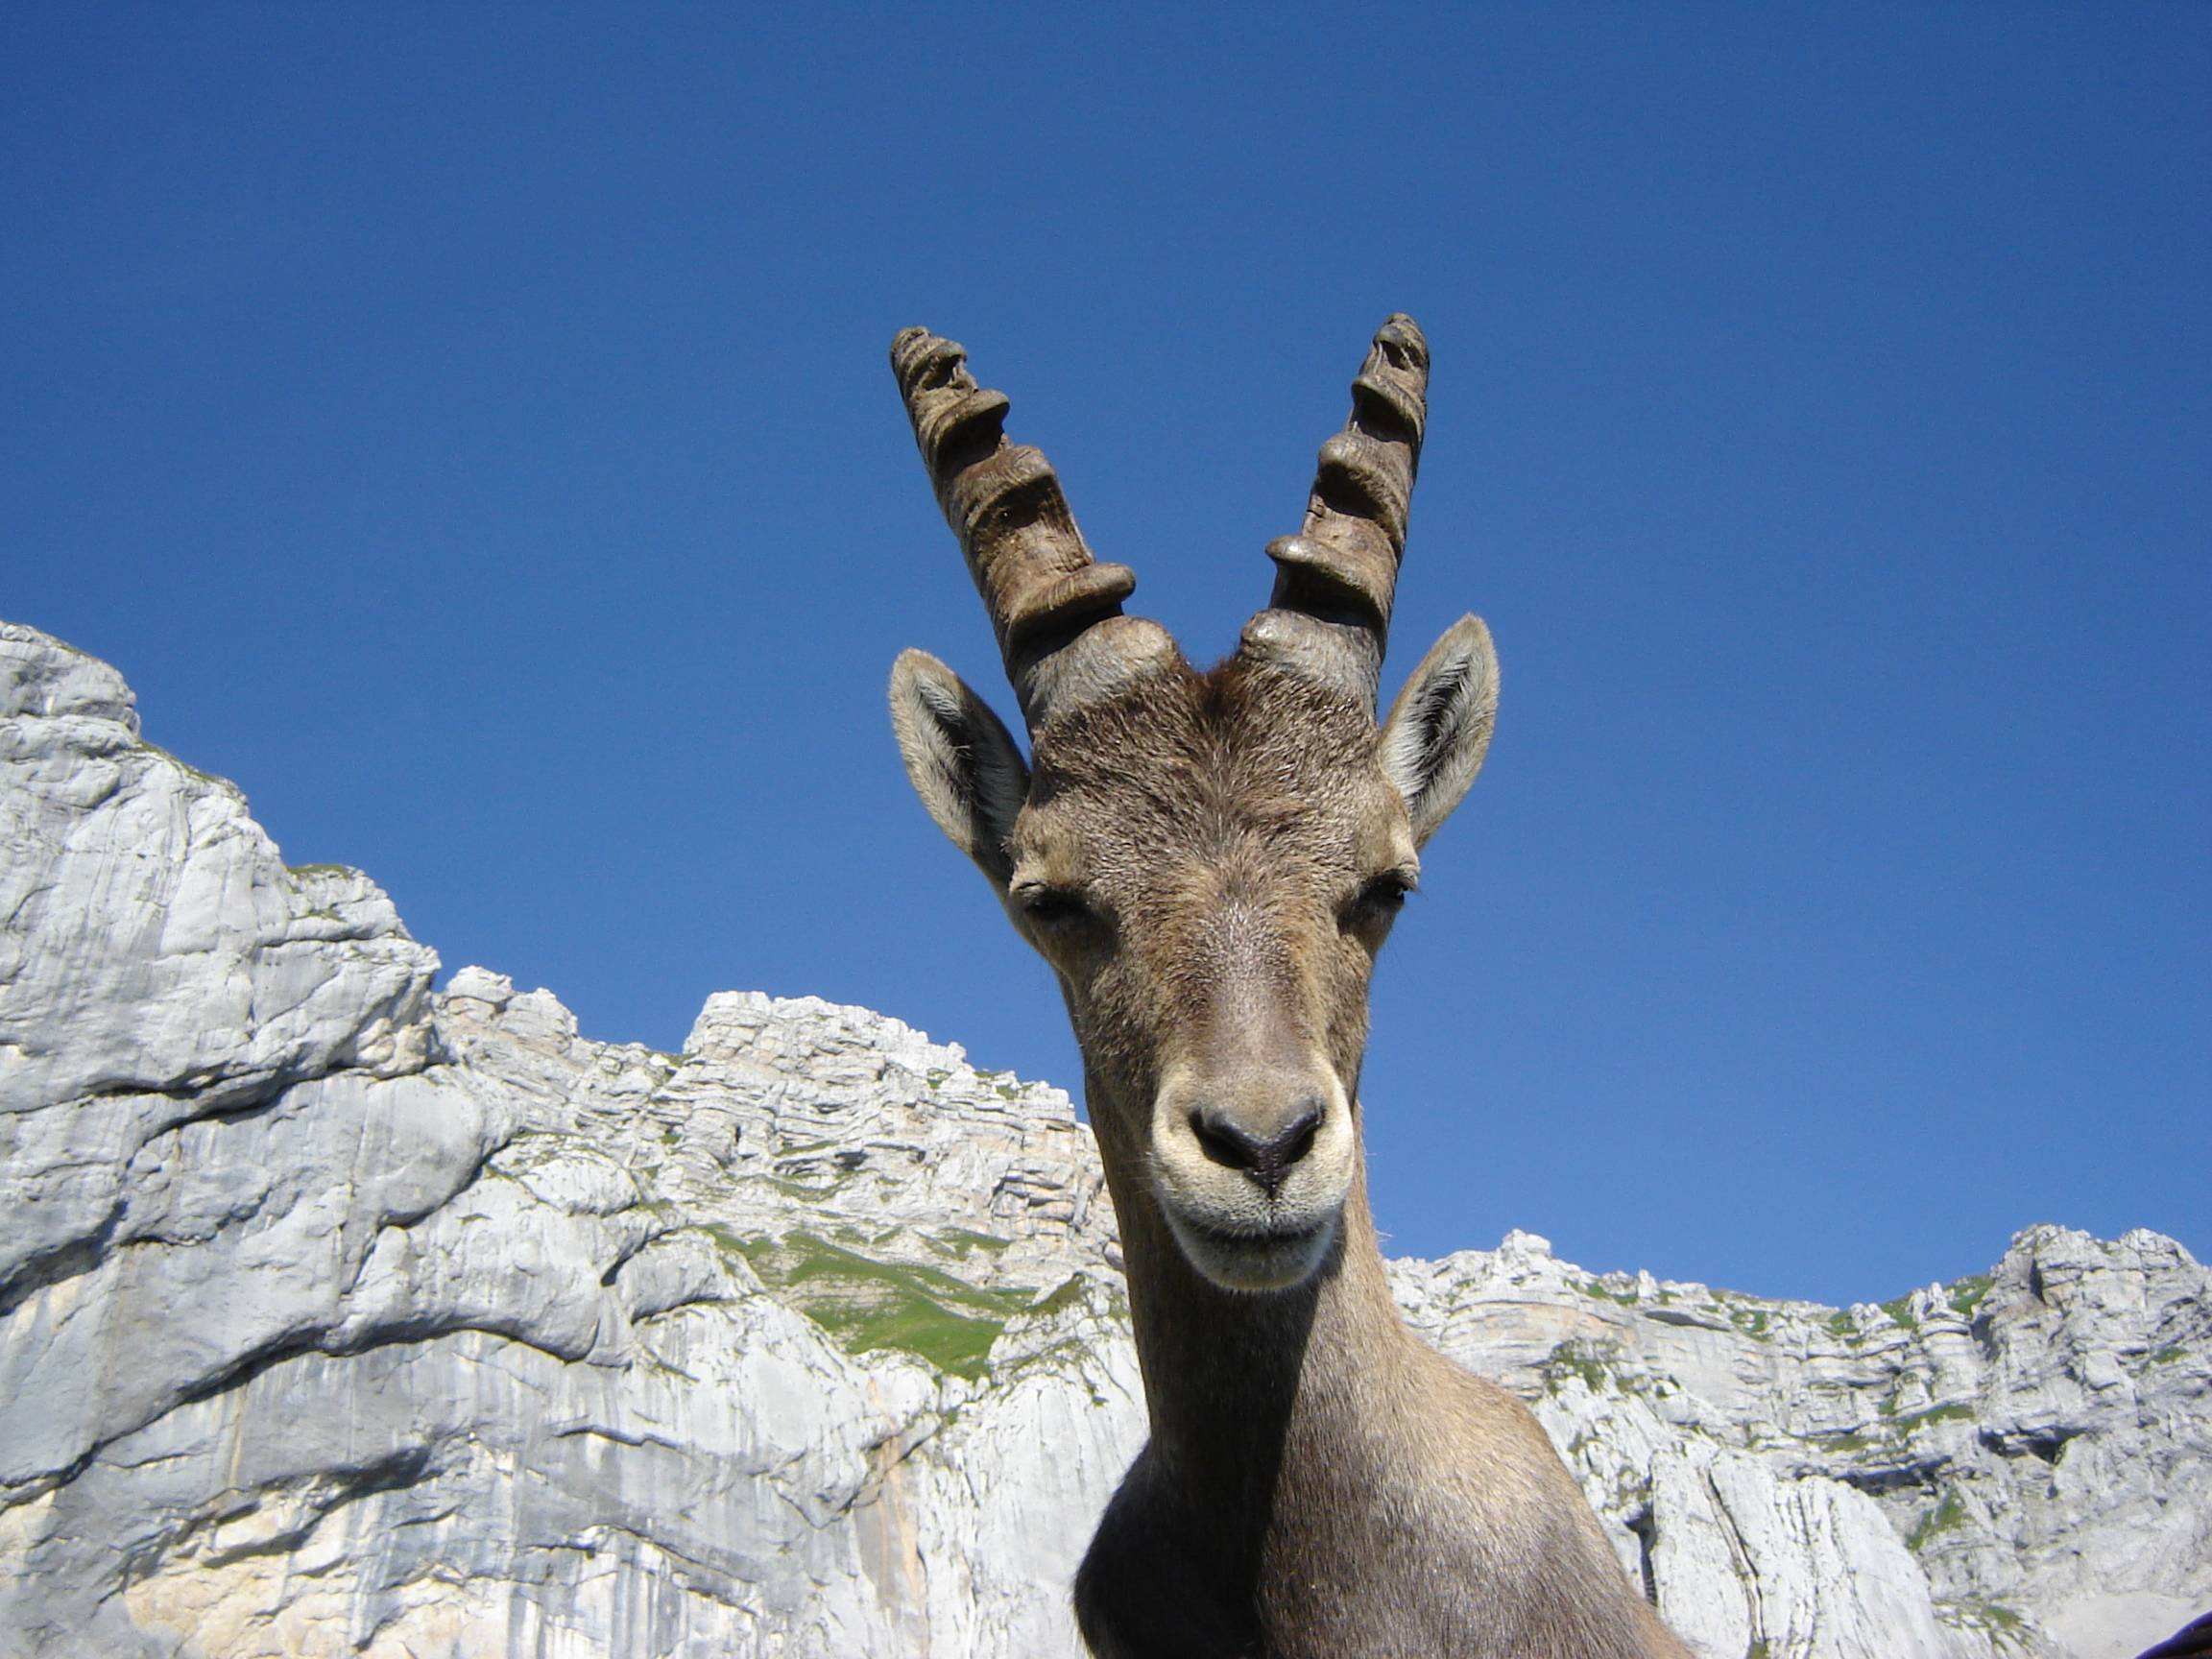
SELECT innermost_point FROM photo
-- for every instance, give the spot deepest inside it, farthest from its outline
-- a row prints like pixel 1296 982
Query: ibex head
pixel 1210 861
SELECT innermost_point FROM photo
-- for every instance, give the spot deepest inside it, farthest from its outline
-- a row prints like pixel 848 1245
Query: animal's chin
pixel 1277 1261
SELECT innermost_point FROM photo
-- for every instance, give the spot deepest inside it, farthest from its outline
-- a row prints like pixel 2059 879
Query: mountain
pixel 343 1315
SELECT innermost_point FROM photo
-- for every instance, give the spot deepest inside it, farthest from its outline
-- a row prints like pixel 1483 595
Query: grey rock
pixel 337 1316
pixel 160 963
pixel 2033 1443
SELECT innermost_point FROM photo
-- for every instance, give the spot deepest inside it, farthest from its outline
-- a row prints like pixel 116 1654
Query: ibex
pixel 1210 862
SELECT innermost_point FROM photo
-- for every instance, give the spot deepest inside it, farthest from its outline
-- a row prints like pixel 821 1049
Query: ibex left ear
pixel 962 759
pixel 1439 728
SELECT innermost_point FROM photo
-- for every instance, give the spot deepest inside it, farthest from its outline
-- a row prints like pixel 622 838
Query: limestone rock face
pixel 160 964
pixel 2020 1461
pixel 338 1316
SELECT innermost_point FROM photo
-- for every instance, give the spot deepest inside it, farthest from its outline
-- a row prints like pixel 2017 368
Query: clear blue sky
pixel 468 429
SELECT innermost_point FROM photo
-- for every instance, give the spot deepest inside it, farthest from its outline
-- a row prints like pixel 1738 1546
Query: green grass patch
pixel 1986 1618
pixel 1751 1321
pixel 958 1243
pixel 802 1191
pixel 1627 1298
pixel 1947 1516
pixel 1060 1298
pixel 186 767
pixel 867 1305
pixel 1900 1311
pixel 1969 1294
pixel 1576 1356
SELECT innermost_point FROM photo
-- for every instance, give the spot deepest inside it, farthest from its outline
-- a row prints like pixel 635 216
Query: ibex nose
pixel 1266 1156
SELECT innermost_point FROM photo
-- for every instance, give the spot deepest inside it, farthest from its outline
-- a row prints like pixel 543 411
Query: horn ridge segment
pixel 1004 503
pixel 1341 568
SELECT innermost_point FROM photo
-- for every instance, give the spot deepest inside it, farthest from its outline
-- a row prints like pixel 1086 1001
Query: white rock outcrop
pixel 1974 1468
pixel 341 1317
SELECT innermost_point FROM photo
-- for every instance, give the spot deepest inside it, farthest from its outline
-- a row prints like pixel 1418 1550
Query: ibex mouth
pixel 1254 1260
pixel 1251 1168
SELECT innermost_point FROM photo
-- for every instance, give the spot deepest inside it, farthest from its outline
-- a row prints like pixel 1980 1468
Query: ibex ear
pixel 1439 728
pixel 963 763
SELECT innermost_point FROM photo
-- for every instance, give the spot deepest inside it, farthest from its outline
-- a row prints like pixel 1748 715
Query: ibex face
pixel 1209 861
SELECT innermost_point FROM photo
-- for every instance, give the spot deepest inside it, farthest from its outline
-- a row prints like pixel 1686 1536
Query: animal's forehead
pixel 1232 724
pixel 1229 752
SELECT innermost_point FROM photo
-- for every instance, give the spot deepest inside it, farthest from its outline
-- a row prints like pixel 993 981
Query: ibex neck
pixel 1239 1383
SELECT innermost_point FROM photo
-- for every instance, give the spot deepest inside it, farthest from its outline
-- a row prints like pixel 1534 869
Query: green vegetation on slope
pixel 867 1304
pixel 1949 1514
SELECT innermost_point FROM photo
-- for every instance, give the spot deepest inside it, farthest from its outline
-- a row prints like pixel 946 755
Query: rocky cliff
pixel 342 1316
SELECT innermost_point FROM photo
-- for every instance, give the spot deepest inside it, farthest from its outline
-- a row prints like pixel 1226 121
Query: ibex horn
pixel 1003 501
pixel 1341 568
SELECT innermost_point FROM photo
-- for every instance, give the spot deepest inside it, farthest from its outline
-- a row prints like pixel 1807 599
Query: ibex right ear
pixel 963 763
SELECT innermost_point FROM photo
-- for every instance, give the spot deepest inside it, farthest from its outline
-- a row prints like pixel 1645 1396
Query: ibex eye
pixel 1051 906
pixel 1381 898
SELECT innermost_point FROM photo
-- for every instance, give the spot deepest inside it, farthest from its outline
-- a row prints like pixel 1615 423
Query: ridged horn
pixel 1340 571
pixel 1003 501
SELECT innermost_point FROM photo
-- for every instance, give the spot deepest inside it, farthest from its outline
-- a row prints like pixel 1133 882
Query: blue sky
pixel 468 429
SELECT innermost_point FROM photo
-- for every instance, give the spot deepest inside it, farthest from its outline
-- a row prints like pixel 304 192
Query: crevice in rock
pixel 692 1574
pixel 422 1329
pixel 324 1493
pixel 225 1110
pixel 1882 1482
pixel 66 1261
pixel 244 1369
pixel 406 1220
pixel 620 1438
pixel 1646 1525
pixel 339 1487
pixel 38 1485
pixel 704 1299
pixel 2049 1445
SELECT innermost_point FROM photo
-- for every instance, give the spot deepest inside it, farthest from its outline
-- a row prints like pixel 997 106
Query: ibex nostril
pixel 1297 1139
pixel 1264 1157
